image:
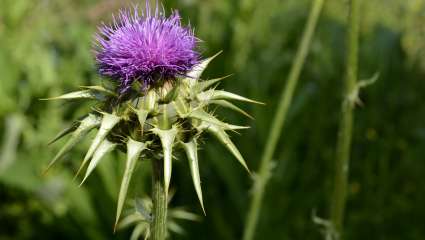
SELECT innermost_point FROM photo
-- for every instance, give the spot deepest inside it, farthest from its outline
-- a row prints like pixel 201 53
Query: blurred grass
pixel 46 50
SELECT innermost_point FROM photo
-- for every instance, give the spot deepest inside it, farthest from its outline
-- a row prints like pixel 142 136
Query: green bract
pixel 152 124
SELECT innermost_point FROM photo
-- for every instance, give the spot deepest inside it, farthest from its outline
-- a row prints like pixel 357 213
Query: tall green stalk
pixel 263 175
pixel 346 124
pixel 159 198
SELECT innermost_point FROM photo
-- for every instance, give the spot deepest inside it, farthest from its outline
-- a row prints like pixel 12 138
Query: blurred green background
pixel 45 50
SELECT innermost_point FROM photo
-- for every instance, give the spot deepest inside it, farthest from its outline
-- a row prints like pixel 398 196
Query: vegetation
pixel 46 51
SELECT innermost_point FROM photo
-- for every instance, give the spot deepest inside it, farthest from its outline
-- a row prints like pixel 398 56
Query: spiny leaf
pixel 83 94
pixel 171 95
pixel 204 116
pixel 142 114
pixel 100 89
pixel 192 156
pixel 220 94
pixel 222 136
pixel 181 107
pixel 134 149
pixel 202 85
pixel 230 105
pixel 149 101
pixel 108 122
pixel 65 132
pixel 167 139
pixel 101 151
pixel 198 69
pixel 86 125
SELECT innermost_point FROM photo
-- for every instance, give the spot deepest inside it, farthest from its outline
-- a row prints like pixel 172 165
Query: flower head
pixel 147 48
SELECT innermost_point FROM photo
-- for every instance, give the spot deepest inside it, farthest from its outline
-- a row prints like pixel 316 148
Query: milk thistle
pixel 154 103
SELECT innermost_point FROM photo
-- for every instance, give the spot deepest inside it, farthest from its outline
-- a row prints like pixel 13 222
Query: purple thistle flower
pixel 146 48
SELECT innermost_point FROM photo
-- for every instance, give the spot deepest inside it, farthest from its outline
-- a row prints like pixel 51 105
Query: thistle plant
pixel 153 104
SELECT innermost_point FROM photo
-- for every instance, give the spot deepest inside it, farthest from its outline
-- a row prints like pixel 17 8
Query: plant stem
pixel 346 122
pixel 159 199
pixel 264 172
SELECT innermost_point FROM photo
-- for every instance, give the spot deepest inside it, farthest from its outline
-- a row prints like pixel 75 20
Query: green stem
pixel 346 123
pixel 264 173
pixel 159 198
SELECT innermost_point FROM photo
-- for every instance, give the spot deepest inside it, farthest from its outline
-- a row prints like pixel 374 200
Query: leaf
pixel 144 208
pixel 130 219
pixel 192 157
pixel 223 95
pixel 100 89
pixel 198 69
pixel 105 147
pixel 167 139
pixel 180 213
pixel 181 107
pixel 138 231
pixel 366 82
pixel 134 149
pixel 141 116
pixel 202 85
pixel 171 95
pixel 174 227
pixel 204 116
pixel 230 105
pixel 108 122
pixel 88 123
pixel 222 136
pixel 83 94
pixel 149 101
pixel 64 132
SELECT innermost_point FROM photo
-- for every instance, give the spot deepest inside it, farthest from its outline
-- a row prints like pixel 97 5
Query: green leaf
pixel 192 156
pixel 130 220
pixel 142 114
pixel 64 132
pixel 83 94
pixel 88 123
pixel 202 85
pixel 174 227
pixel 134 149
pixel 108 122
pixel 181 107
pixel 180 213
pixel 222 136
pixel 100 89
pixel 171 95
pixel 198 69
pixel 213 94
pixel 167 139
pixel 101 151
pixel 206 117
pixel 149 101
pixel 138 231
pixel 230 105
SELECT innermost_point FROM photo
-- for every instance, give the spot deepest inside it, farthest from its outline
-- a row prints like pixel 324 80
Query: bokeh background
pixel 45 50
